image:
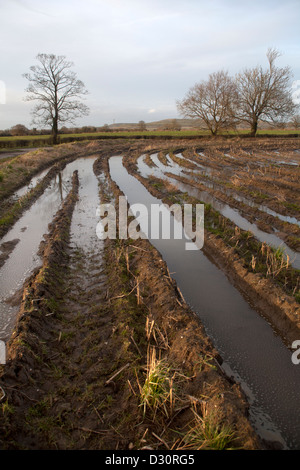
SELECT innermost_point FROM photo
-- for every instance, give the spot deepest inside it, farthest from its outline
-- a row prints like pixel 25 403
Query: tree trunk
pixel 54 131
pixel 254 127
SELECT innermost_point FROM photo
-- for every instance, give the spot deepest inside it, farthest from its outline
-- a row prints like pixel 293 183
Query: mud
pixel 18 193
pixel 266 229
pixel 281 309
pixel 79 327
pixel 199 281
pixel 264 217
pixel 6 248
pixel 78 357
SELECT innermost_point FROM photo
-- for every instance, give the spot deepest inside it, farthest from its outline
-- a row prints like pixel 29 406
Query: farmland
pixel 11 142
pixel 91 324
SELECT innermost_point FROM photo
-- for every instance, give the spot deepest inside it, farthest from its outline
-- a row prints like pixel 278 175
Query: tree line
pixel 253 96
pixel 141 126
pixel 21 130
pixel 219 103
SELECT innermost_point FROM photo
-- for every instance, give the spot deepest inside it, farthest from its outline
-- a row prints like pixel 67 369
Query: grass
pixel 208 431
pixel 257 257
pixel 157 391
pixel 292 206
pixel 27 140
pixel 16 208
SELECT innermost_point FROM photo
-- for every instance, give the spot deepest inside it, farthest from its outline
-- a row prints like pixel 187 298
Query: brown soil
pixel 6 248
pixel 78 358
pixel 24 168
pixel 274 303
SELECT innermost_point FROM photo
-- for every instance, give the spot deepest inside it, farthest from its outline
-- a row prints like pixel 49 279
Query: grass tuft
pixel 208 431
pixel 157 393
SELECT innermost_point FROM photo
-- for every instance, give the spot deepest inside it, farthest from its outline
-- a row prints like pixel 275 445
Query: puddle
pixel 32 183
pixel 287 163
pixel 84 221
pixel 251 350
pixel 205 170
pixel 15 152
pixel 29 230
pixel 248 202
pixel 261 207
pixel 173 167
pixel 224 209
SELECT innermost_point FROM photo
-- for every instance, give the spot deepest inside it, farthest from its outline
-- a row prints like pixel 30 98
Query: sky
pixel 138 57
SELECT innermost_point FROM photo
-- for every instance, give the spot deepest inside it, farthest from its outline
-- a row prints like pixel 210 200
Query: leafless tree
pixel 57 91
pixel 172 125
pixel 296 122
pixel 213 101
pixel 142 126
pixel 19 129
pixel 265 95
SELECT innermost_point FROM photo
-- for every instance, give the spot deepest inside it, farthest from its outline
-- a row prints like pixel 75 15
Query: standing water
pixel 224 209
pixel 29 230
pixel 83 226
pixel 252 352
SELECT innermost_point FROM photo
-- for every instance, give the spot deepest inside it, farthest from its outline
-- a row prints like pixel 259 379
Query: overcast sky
pixel 137 57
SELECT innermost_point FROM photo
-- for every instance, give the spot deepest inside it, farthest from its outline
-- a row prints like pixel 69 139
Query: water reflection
pixel 29 229
pixel 227 211
pixel 252 352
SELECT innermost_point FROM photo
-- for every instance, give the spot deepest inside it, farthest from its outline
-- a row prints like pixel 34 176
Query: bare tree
pixel 265 95
pixel 296 122
pixel 19 129
pixel 57 91
pixel 213 101
pixel 172 125
pixel 142 126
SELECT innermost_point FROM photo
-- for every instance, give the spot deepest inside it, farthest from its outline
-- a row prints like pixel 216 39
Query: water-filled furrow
pixel 83 226
pixel 224 209
pixel 248 202
pixel 205 170
pixel 214 185
pixel 32 183
pixel 252 352
pixel 160 167
pixel 29 230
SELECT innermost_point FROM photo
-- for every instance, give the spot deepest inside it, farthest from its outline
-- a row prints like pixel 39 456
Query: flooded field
pixel 83 318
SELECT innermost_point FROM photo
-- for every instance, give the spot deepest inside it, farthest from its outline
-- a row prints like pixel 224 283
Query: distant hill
pixel 183 123
pixel 163 124
pixel 168 124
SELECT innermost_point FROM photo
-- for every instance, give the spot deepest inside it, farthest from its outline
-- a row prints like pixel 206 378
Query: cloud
pixel 138 57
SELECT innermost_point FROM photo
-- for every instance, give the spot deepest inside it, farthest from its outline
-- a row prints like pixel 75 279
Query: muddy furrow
pixel 33 332
pixel 198 280
pixel 79 354
pixel 269 184
pixel 220 186
pixel 273 298
pixel 243 220
pixel 289 233
pixel 20 198
pixel 95 312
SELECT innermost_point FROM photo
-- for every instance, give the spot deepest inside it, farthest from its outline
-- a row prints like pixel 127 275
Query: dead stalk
pixel 117 373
